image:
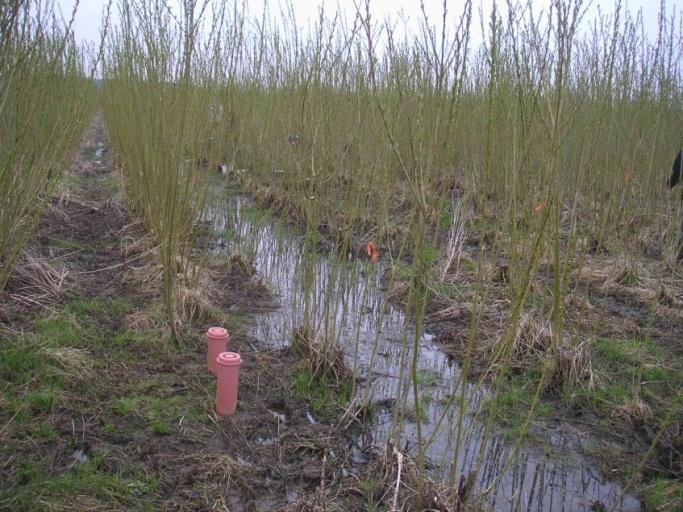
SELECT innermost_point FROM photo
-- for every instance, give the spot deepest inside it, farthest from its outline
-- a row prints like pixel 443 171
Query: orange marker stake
pixel 372 251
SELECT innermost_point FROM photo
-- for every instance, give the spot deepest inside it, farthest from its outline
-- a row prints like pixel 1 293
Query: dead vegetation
pixel 406 490
pixel 37 281
pixel 325 359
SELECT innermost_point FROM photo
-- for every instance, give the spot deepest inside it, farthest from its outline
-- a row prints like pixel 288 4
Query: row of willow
pixel 546 114
pixel 45 98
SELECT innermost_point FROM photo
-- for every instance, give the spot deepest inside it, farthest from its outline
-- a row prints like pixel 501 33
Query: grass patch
pixel 161 415
pixel 129 338
pixel 96 308
pixel 664 496
pixel 34 490
pixel 19 361
pixel 324 394
pixel 86 323
pixel 63 329
pixel 634 367
pixel 514 403
pixel 23 360
pixel 43 431
pixel 125 406
pixel 43 401
pixel 426 378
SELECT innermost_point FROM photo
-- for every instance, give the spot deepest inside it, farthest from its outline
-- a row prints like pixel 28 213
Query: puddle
pixel 347 303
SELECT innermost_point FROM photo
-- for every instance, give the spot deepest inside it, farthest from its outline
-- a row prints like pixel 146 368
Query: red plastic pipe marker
pixel 228 379
pixel 216 342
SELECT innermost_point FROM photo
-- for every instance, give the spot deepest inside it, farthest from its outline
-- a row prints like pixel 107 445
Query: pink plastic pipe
pixel 216 342
pixel 228 379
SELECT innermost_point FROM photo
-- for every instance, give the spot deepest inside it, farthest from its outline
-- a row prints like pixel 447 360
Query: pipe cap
pixel 229 359
pixel 217 333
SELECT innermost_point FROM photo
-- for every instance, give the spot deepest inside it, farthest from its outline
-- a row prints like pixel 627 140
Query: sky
pixel 88 18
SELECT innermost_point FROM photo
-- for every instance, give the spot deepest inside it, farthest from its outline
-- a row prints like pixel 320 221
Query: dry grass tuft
pixel 76 363
pixel 223 469
pixel 324 357
pixel 635 411
pixel 453 250
pixel 36 281
pixel 405 490
pixel 532 340
pixel 570 364
pixel 55 209
pixel 143 271
pixel 242 263
pixel 605 274
pixel 195 302
pixel 573 366
pixel 397 290
pixel 141 321
pixel 450 313
pixel 145 278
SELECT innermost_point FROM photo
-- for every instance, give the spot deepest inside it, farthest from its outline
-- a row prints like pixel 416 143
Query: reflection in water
pixel 345 302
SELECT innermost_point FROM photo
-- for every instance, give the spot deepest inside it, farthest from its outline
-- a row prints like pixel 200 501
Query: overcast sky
pixel 88 19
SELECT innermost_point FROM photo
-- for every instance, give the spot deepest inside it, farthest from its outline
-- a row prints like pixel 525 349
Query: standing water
pixel 346 302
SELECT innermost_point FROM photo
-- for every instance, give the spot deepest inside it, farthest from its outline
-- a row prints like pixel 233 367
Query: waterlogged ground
pixel 99 412
pixel 345 302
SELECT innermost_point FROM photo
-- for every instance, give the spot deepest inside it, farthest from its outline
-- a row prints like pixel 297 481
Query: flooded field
pixel 347 304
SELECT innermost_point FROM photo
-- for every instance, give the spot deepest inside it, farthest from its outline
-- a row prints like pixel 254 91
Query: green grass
pixel 43 431
pixel 95 308
pixel 514 403
pixel 43 401
pixel 34 489
pixel 427 378
pixel 64 329
pixel 634 366
pixel 19 361
pixel 325 396
pixel 125 406
pixel 161 415
pixel 85 323
pixel 664 496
